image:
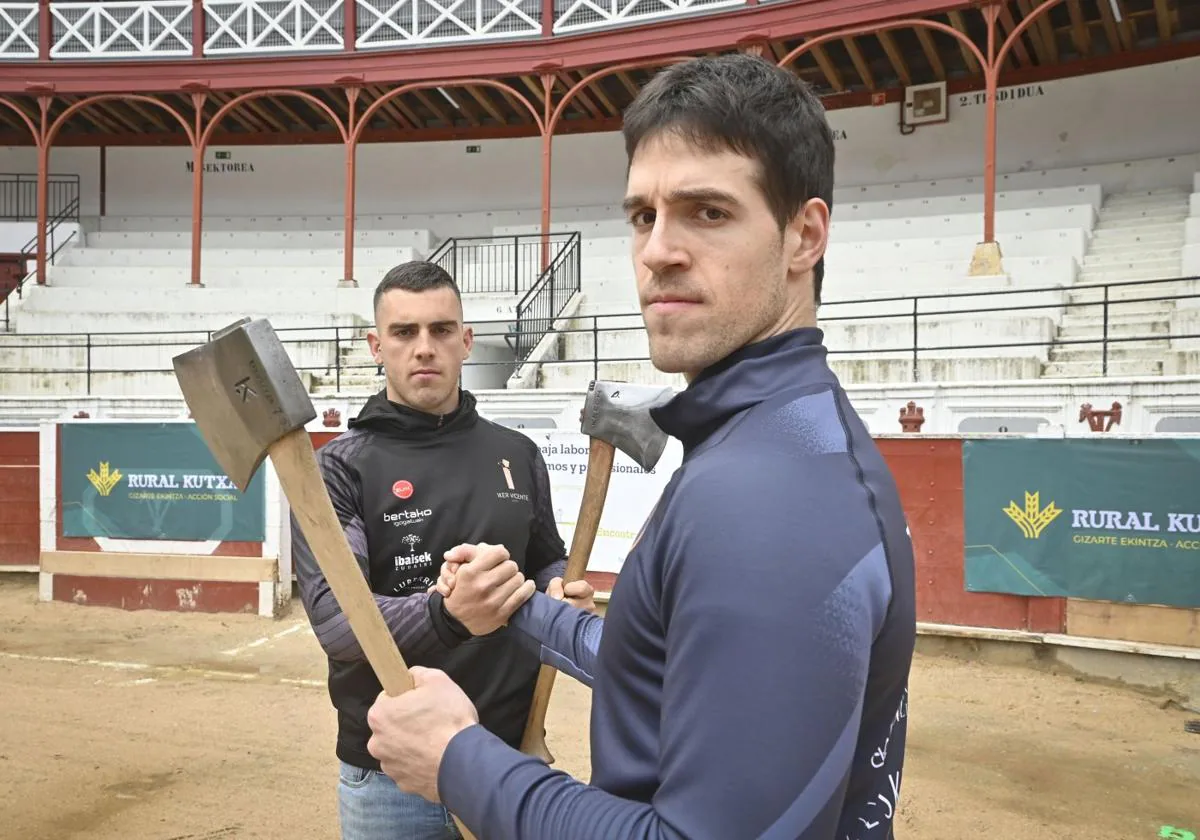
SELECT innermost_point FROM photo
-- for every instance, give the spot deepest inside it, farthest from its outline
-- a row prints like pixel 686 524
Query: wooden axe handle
pixel 595 490
pixel 300 477
pixel 296 465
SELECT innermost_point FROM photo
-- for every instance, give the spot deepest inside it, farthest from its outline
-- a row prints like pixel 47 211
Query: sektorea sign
pixel 1105 519
pixel 152 481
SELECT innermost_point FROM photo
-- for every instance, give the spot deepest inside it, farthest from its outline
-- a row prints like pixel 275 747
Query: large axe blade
pixel 616 415
pixel 244 395
pixel 249 404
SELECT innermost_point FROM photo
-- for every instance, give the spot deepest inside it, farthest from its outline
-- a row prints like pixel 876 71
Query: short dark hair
pixel 745 104
pixel 415 276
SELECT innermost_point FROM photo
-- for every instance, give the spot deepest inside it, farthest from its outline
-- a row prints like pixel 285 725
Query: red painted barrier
pixel 928 472
pixel 19 529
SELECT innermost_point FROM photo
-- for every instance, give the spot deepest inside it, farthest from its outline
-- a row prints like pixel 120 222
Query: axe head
pixel 244 395
pixel 619 413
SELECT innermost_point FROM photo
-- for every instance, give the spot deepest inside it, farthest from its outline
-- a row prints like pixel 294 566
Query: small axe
pixel 249 404
pixel 616 415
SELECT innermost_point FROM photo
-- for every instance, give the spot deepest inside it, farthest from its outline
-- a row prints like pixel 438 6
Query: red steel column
pixel 198 144
pixel 43 187
pixel 991 76
pixel 995 61
pixel 547 159
pixel 351 175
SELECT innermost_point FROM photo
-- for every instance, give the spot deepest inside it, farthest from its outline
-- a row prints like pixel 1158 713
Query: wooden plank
pixel 931 53
pixel 17 485
pixel 1039 33
pixel 1010 26
pixel 18 511
pixel 19 449
pixel 163 595
pixel 1134 622
pixel 860 64
pixel 959 23
pixel 1162 14
pixel 20 528
pixel 1115 36
pixel 159 566
pixel 1079 29
pixel 895 57
pixel 828 68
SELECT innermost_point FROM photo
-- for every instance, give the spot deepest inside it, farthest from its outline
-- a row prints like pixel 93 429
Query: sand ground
pixel 155 726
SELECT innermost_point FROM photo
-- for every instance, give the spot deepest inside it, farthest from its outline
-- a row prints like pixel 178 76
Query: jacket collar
pixel 742 380
pixel 383 415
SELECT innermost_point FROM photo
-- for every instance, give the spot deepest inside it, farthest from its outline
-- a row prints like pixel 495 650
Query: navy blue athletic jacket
pixel 750 677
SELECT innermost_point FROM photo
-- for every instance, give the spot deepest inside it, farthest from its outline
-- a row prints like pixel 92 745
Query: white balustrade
pixel 123 29
pixel 18 31
pixel 165 29
pixel 396 23
pixel 246 27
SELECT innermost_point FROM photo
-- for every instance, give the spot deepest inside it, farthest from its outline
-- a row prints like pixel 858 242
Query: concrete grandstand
pixel 1095 232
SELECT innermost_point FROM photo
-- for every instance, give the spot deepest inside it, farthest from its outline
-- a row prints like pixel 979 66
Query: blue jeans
pixel 371 807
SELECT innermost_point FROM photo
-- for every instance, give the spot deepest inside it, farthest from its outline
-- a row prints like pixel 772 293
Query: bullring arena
pixel 1012 300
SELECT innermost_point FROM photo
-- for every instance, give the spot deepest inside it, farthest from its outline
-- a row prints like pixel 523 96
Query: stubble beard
pixel 695 346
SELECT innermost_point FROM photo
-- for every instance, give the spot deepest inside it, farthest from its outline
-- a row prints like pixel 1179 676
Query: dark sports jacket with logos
pixel 750 677
pixel 407 487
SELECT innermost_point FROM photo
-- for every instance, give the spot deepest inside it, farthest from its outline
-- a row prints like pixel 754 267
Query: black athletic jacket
pixel 408 487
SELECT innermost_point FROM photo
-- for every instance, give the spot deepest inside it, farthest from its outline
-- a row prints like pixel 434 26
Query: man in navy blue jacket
pixel 750 679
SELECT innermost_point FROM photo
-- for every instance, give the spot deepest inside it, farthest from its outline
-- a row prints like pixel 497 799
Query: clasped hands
pixel 482 587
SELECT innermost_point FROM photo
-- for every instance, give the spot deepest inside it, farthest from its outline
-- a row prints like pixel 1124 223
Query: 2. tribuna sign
pixel 1105 519
pixel 152 481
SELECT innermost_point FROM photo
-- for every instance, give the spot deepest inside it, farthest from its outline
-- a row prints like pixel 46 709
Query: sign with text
pixel 152 481
pixel 632 493
pixel 1103 519
pixel 1016 93
pixel 223 163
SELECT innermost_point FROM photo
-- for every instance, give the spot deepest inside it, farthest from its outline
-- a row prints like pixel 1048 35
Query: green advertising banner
pixel 1103 519
pixel 152 481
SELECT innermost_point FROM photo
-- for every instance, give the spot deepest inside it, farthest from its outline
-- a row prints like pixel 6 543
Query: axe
pixel 616 415
pixel 249 403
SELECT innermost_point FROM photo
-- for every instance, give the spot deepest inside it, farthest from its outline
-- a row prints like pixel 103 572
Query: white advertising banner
pixel 632 493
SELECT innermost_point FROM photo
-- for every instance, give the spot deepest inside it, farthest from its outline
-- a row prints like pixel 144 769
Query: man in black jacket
pixel 417 473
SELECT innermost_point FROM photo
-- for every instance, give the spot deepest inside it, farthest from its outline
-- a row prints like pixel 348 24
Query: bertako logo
pixel 402 489
pixel 407 517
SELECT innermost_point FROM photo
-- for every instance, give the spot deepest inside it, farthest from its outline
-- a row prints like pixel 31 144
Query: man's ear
pixel 374 345
pixel 468 341
pixel 807 236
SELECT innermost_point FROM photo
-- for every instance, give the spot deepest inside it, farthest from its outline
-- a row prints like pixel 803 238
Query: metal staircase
pixel 54 243
pixel 509 265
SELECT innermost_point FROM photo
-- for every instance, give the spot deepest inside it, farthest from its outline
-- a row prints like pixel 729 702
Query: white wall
pixel 1142 112
pixel 1138 113
pixel 15 235
pixel 80 161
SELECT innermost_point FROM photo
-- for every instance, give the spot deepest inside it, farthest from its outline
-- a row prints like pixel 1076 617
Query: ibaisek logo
pixel 412 561
pixel 408 517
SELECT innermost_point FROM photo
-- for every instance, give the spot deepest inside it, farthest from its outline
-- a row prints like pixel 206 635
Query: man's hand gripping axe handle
pixel 616 415
pixel 249 404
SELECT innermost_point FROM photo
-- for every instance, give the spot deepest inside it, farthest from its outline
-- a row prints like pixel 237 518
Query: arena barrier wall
pixel 929 471
pixel 19 541
pixel 137 515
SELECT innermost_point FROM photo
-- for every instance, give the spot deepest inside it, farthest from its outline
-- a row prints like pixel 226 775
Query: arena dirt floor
pixel 152 726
